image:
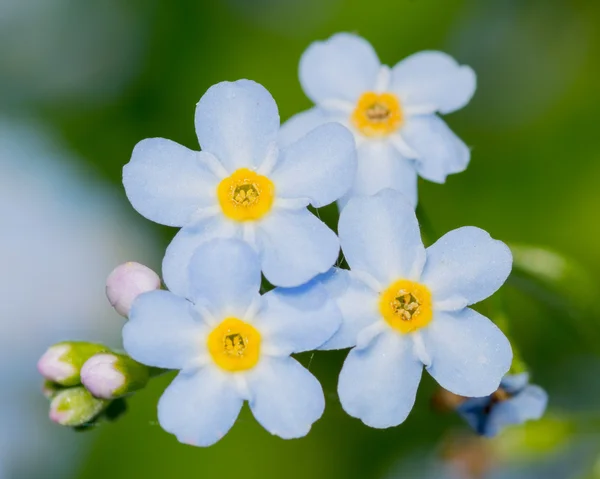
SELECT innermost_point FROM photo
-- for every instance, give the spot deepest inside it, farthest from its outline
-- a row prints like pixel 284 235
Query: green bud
pixel 111 375
pixel 62 362
pixel 76 407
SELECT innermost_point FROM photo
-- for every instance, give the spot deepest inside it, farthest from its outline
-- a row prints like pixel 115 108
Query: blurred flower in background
pixel 470 457
pixel 62 233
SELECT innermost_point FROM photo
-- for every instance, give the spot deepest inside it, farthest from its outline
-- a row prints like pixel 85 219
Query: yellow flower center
pixel 234 345
pixel 406 306
pixel 377 114
pixel 246 195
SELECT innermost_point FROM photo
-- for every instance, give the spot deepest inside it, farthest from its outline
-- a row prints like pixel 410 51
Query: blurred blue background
pixel 82 82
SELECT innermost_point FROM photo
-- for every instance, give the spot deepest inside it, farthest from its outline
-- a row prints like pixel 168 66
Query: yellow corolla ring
pixel 406 306
pixel 377 114
pixel 246 195
pixel 234 345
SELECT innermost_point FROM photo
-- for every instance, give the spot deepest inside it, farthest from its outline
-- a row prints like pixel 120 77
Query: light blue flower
pixel 405 307
pixel 515 402
pixel 232 345
pixel 391 111
pixel 244 185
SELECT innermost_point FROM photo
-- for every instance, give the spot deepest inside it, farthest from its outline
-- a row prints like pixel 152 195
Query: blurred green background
pixel 106 75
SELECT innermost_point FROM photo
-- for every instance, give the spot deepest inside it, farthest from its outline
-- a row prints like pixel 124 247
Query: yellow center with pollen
pixel 377 114
pixel 234 345
pixel 406 306
pixel 246 195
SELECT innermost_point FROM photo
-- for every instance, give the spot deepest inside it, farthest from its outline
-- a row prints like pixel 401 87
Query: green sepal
pixel 77 354
pixel 136 375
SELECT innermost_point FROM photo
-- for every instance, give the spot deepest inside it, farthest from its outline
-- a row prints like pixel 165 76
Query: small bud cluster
pixel 85 382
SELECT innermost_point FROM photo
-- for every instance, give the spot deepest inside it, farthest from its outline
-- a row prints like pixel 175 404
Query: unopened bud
pixel 112 375
pixel 62 362
pixel 126 282
pixel 76 407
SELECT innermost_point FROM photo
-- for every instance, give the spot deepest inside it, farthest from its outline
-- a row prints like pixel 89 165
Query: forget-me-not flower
pixel 232 345
pixel 391 111
pixel 515 402
pixel 405 307
pixel 244 185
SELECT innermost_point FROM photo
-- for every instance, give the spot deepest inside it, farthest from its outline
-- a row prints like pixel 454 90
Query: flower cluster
pixel 242 204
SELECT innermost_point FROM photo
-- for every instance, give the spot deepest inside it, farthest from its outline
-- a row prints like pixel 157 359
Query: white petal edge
pixel 440 152
pixel 225 277
pixel 469 354
pixel 378 384
pixel 285 398
pixel 434 79
pixel 237 122
pixel 380 235
pixel 341 67
pixel 465 266
pixel 168 183
pixel 382 166
pixel 163 331
pixel 358 305
pixel 184 244
pixel 299 319
pixel 295 246
pixel 320 166
pixel 199 408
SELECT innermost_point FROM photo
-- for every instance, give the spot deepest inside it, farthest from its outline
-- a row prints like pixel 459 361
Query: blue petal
pixel 357 303
pixel 381 166
pixel 186 241
pixel 473 410
pixel 225 276
pixel 433 79
pixel 286 399
pixel 237 122
pixel 378 384
pixel 163 331
pixel 529 404
pixel 300 124
pixel 440 152
pixel 168 183
pixel 513 383
pixel 298 319
pixel 342 67
pixel 469 354
pixel 466 266
pixel 295 246
pixel 320 166
pixel 380 236
pixel 199 408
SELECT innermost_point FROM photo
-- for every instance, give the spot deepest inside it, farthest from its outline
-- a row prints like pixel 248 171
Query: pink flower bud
pixel 111 375
pixel 126 282
pixel 53 366
pixel 100 376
